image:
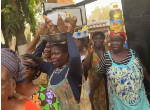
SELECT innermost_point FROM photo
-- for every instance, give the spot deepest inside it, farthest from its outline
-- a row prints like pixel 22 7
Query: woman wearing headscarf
pixel 12 73
pixel 41 96
pixel 91 63
pixel 125 74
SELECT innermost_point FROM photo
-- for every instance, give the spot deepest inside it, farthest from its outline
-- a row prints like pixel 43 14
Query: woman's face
pixel 47 52
pixel 59 57
pixel 117 43
pixel 7 85
pixel 98 41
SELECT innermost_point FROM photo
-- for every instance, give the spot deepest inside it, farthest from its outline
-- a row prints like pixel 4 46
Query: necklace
pixel 59 70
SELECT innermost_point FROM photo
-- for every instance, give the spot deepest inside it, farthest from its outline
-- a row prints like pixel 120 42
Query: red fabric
pixel 120 34
pixel 31 106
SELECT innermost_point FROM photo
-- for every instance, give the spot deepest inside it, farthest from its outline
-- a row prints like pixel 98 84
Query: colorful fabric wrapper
pixel 119 34
pixel 10 60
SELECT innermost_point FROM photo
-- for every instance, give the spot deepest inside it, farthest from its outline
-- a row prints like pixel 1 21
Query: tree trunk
pixel 21 39
pixel 21 42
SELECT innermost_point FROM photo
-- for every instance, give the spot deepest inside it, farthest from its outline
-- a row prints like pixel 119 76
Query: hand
pixel 69 27
pixel 90 47
pixel 27 62
pixel 91 99
pixel 107 39
pixel 73 21
pixel 52 28
pixel 37 33
pixel 20 97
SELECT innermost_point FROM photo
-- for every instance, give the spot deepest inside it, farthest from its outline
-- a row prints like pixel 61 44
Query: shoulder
pixel 134 52
pixel 16 105
pixel 106 55
pixel 47 65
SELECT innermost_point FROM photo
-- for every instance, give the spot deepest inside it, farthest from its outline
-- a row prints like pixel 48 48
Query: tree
pixel 100 13
pixel 15 14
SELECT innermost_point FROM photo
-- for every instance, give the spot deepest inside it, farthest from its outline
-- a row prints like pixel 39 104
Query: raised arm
pixel 87 64
pixel 32 44
pixel 74 56
pixel 40 48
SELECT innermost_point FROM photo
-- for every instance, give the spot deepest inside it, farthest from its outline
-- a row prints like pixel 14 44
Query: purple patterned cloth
pixel 10 59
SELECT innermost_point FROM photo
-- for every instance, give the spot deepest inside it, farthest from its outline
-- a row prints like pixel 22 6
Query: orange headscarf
pixel 119 34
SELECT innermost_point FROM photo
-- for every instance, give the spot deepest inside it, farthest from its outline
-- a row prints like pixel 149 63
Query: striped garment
pixel 106 62
pixel 10 60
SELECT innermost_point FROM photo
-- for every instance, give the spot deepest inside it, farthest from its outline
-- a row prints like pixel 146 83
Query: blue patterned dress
pixel 125 82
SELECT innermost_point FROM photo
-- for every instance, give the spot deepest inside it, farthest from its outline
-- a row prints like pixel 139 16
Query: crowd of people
pixel 73 75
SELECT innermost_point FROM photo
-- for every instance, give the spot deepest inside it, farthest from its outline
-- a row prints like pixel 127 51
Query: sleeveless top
pixel 125 82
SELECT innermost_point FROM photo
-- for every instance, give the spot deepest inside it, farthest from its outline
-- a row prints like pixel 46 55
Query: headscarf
pixel 10 60
pixel 119 34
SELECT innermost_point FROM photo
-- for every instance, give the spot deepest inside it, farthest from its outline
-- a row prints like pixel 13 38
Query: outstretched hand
pixel 91 47
pixel 20 97
pixel 107 39
pixel 91 99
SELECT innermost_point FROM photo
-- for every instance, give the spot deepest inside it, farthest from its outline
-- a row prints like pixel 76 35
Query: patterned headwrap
pixel 119 34
pixel 10 59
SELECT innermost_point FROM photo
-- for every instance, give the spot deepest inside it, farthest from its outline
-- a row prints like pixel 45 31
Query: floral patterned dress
pixel 125 82
pixel 99 99
pixel 45 99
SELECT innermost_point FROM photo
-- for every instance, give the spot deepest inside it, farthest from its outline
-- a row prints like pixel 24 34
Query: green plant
pixel 15 14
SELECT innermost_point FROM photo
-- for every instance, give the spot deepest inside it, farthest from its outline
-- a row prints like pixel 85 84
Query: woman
pixel 12 72
pixel 43 97
pixel 124 75
pixel 65 72
pixel 91 64
pixel 43 78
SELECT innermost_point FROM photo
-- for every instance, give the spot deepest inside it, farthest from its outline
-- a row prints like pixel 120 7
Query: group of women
pixel 115 77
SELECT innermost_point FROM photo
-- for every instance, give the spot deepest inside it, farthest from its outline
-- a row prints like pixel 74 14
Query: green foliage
pixel 26 10
pixel 28 13
pixel 9 22
pixel 100 13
